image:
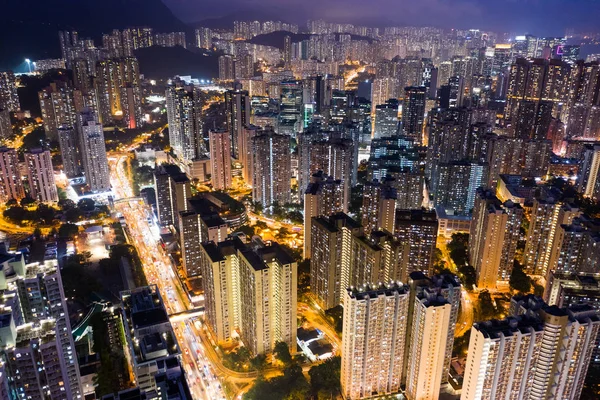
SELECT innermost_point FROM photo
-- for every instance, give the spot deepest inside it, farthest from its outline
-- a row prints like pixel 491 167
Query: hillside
pixel 276 39
pixel 166 62
pixel 30 28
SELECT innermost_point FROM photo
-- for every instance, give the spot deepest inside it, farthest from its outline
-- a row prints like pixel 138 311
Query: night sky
pixel 540 17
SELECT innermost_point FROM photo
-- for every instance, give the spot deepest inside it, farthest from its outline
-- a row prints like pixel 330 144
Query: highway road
pixel 159 270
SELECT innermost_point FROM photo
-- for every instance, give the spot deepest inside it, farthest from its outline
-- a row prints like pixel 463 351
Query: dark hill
pixel 166 62
pixel 29 28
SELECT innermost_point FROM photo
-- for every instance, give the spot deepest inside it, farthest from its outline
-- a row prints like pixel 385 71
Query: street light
pixel 28 61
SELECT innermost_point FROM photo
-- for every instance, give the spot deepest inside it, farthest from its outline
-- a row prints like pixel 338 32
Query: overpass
pixel 183 315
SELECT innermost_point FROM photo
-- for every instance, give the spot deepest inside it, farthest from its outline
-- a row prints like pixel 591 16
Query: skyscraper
pixel 386 119
pixel 69 151
pixel 374 340
pixel 220 159
pixel 251 289
pixel 271 180
pixel 436 298
pixel 547 214
pixel 172 188
pixel 540 352
pixel 413 112
pixel 237 104
pixel 588 180
pixel 9 98
pixel 203 38
pixel 330 264
pixel 378 206
pixel 58 107
pixel 323 196
pixel 493 238
pixel 93 152
pixel 226 71
pixel 113 77
pixel 37 337
pixel 11 186
pixel 457 182
pixel 290 108
pixel 40 175
pixel 5 124
pixel 185 124
pixel 418 230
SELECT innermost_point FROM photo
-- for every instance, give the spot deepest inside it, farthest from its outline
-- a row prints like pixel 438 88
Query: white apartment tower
pixel 93 153
pixel 540 352
pixel 40 175
pixel 374 340
pixel 11 186
pixel 250 289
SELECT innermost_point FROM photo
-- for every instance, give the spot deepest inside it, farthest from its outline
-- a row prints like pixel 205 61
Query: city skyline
pixel 285 205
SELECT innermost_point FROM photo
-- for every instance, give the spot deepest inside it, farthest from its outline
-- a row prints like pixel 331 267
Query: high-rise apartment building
pixel 150 339
pixel 5 124
pixel 226 70
pixel 576 246
pixel 588 179
pixel 197 225
pixel 330 265
pixel 69 151
pixel 185 124
pixel 386 119
pixel 245 151
pixel 374 334
pixel 37 339
pixel 9 98
pixel 204 38
pixel 418 230
pixel 291 105
pixel 237 104
pixel 337 158
pixel 493 239
pixel 250 289
pixel 413 112
pixel 271 164
pixel 11 186
pixel 220 159
pixel 406 330
pixel 93 152
pixel 436 298
pixel 456 185
pixel 547 214
pixel 173 190
pixel 379 206
pixel 119 91
pixel 323 196
pixel 540 352
pixel 58 107
pixel 40 175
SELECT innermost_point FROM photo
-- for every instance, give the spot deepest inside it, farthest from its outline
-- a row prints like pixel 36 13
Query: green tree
pixel 282 353
pixel 68 230
pixel 259 363
pixel 26 201
pixel 86 205
pixel 486 307
pixel 458 248
pixel 325 378
pixel 519 280
pixel 468 276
